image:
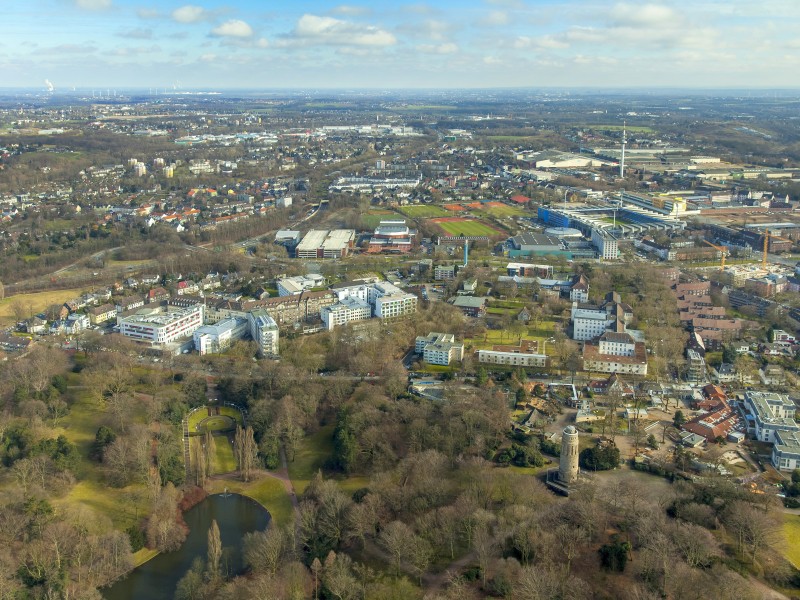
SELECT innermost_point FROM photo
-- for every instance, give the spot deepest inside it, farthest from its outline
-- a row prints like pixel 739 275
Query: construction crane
pixel 723 252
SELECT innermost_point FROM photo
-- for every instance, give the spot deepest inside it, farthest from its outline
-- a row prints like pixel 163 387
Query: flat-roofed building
pixel 294 286
pixel 769 412
pixel 439 348
pixel 347 310
pixel 786 450
pixel 210 339
pixel 162 325
pixel 264 331
pixel 323 243
pixel 392 236
pixel 524 355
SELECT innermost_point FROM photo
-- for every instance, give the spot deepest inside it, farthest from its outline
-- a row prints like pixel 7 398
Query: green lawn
pixel 34 302
pixel 504 211
pixel 467 228
pixel 224 462
pixel 372 218
pixel 314 450
pixel 200 421
pixel 424 212
pixel 267 491
pixel 791 529
pixel 124 506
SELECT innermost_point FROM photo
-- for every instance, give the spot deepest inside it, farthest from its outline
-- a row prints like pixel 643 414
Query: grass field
pixel 228 418
pixel 791 529
pixel 423 212
pixel 267 491
pixel 504 211
pixel 224 462
pixel 372 218
pixel 467 228
pixel 124 506
pixel 311 456
pixel 34 303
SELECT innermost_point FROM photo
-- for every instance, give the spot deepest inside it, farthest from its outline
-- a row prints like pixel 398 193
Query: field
pixel 423 212
pixel 226 420
pixel 458 226
pixel 498 209
pixel 372 218
pixel 311 456
pixel 454 207
pixel 791 529
pixel 34 303
pixel 222 461
pixel 124 506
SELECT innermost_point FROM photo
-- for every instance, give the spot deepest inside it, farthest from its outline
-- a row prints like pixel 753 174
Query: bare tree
pixel 214 553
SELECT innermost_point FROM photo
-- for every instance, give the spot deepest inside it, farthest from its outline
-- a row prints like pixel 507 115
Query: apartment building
pixel 162 325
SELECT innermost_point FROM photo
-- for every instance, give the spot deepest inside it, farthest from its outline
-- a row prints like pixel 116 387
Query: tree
pixel 397 538
pixel 245 450
pixel 678 420
pixel 214 553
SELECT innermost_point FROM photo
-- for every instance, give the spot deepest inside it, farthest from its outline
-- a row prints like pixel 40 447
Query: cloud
pixel 350 10
pixel 148 13
pixel 313 29
pixel 93 4
pixel 547 42
pixel 497 17
pixel 446 48
pixel 190 14
pixel 137 34
pixel 233 28
pixel 648 15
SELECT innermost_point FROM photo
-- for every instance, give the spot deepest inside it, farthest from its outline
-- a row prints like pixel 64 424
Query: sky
pixel 314 44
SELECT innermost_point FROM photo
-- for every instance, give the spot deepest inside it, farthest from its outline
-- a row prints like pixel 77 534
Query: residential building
pixel 347 310
pixel 524 355
pixel 445 272
pixel 767 413
pixel 129 303
pixel 696 366
pixel 606 244
pixel 102 313
pixel 264 331
pixel 294 286
pixel 439 348
pixel 786 450
pixel 162 325
pixel 210 339
pixel 772 375
pixel 634 363
pixel 471 306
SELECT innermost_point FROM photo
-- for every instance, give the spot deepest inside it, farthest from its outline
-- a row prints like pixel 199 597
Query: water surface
pixel 157 578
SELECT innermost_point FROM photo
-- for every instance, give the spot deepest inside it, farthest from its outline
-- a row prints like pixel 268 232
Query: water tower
pixel 568 463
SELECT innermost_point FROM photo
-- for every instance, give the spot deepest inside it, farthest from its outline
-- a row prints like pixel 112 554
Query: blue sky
pixel 469 43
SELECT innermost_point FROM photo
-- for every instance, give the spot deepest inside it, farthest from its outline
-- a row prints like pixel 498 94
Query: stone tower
pixel 568 464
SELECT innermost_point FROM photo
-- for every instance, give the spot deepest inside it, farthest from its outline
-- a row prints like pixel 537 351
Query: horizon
pixel 477 44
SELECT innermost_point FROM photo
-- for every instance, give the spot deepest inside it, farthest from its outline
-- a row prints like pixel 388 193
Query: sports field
pixel 457 226
pixel 454 207
pixel 423 212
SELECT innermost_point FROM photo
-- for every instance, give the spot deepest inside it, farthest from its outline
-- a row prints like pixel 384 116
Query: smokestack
pixel 622 162
pixel 466 252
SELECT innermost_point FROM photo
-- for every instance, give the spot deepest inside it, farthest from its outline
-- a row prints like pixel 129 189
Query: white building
pixel 210 339
pixel 294 286
pixel 786 451
pixel 385 300
pixel 162 325
pixel 606 244
pixel 617 344
pixel 347 310
pixel 769 413
pixel 264 331
pixel 588 323
pixel 512 358
pixel 439 348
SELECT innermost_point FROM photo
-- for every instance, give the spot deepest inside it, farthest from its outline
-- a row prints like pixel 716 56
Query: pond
pixel 157 578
